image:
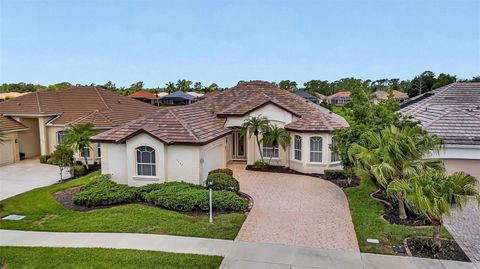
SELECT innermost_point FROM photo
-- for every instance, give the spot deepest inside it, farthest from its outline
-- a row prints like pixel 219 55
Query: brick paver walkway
pixel 295 210
pixel 465 228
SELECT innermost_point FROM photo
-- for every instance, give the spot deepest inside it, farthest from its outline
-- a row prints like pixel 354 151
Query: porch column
pixel 42 130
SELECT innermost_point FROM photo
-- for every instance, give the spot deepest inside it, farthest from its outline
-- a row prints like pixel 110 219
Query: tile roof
pixel 451 112
pixel 8 124
pixel 204 120
pixel 339 95
pixel 383 95
pixel 305 94
pixel 180 95
pixel 101 107
pixel 143 95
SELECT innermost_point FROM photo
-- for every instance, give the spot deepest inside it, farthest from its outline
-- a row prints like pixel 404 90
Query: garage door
pixel 212 159
pixel 6 154
pixel 470 166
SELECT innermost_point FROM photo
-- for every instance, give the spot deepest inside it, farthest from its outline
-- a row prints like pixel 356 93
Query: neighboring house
pixel 186 142
pixel 178 98
pixel 339 98
pixel 453 113
pixel 10 95
pixel 146 97
pixel 305 95
pixel 379 96
pixel 195 94
pixel 35 123
pixel 321 97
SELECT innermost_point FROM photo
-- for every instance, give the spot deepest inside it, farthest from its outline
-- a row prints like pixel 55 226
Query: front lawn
pixel 44 213
pixel 40 257
pixel 366 216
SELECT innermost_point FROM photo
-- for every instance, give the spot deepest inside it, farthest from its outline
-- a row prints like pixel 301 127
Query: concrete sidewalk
pixel 238 254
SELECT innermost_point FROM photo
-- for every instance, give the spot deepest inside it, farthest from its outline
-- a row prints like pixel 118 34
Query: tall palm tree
pixel 432 194
pixel 255 126
pixel 277 136
pixel 78 136
pixel 395 154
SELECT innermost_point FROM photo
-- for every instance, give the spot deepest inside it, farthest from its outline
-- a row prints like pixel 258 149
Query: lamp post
pixel 210 184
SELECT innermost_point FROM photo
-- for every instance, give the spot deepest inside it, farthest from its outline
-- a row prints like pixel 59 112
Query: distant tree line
pixel 422 83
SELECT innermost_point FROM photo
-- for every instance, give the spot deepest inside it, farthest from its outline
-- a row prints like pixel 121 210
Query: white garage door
pixel 6 154
pixel 212 159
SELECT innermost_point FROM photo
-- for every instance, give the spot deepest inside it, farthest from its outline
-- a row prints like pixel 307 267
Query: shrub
pixel 167 187
pixel 222 170
pixel 259 164
pixel 44 158
pixel 224 182
pixel 334 174
pixel 78 170
pixel 102 191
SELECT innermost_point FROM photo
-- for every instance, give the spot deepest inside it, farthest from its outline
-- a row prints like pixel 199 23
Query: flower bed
pixel 423 246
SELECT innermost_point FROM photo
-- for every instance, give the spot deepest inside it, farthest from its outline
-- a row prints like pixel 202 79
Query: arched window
pixel 297 149
pixel 146 165
pixel 61 135
pixel 316 143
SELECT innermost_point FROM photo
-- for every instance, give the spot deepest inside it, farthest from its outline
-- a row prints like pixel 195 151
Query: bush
pixel 167 187
pixel 222 170
pixel 78 170
pixel 44 158
pixel 334 174
pixel 259 164
pixel 102 191
pixel 224 182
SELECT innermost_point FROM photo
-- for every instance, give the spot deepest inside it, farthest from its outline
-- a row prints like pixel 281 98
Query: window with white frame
pixel 269 150
pixel 297 149
pixel 61 135
pixel 316 144
pixel 334 156
pixel 146 165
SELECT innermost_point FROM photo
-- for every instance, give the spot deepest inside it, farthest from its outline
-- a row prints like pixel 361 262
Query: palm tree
pixel 395 154
pixel 432 194
pixel 276 136
pixel 255 125
pixel 78 136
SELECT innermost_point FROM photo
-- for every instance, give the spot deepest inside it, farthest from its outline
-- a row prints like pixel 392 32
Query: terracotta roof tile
pixel 8 124
pixel 143 95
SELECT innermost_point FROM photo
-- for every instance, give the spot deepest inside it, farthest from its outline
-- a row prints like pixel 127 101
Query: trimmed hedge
pixel 334 174
pixel 227 171
pixel 225 182
pixel 164 188
pixel 259 164
pixel 44 158
pixel 102 191
pixel 78 170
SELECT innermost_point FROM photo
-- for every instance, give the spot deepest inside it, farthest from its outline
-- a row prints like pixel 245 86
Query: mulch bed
pixel 342 183
pixel 391 213
pixel 422 247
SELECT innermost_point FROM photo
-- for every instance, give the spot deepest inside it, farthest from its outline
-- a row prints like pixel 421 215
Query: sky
pixel 46 42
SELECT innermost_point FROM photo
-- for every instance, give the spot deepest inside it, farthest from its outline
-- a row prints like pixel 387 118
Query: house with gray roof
pixel 453 113
pixel 178 98
pixel 305 95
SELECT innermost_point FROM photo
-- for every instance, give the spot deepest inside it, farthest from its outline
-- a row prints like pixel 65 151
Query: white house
pixel 453 113
pixel 186 142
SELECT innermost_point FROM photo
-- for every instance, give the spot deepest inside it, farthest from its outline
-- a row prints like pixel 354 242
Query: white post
pixel 211 216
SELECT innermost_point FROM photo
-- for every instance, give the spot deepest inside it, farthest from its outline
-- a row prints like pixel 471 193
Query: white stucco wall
pixel 183 163
pixel 212 156
pixel 114 161
pixel 272 112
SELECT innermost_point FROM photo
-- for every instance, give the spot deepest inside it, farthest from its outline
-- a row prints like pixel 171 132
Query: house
pixel 178 98
pixel 339 98
pixel 305 95
pixel 195 94
pixel 146 97
pixel 35 123
pixel 453 113
pixel 186 142
pixel 379 96
pixel 10 95
pixel 321 97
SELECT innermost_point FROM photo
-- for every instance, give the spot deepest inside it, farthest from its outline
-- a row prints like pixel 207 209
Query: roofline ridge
pixel 38 102
pixel 444 112
pixel 101 97
pixel 185 125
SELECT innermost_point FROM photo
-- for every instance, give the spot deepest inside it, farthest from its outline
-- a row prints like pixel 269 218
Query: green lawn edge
pixel 367 221
pixel 79 258
pixel 44 213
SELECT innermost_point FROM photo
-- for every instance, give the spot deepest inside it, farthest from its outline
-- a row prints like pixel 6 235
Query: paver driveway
pixel 24 176
pixel 295 210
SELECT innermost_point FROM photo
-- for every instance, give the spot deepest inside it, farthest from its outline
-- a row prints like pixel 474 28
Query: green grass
pixel 39 257
pixel 366 216
pixel 44 213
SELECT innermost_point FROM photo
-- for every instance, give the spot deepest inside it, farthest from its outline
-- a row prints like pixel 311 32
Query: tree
pixel 288 85
pixel 255 126
pixel 183 85
pixel 318 86
pixel 62 156
pixel 170 87
pixel 395 154
pixel 212 87
pixel 443 79
pixel 197 86
pixel 135 87
pixel 78 136
pixel 277 137
pixel 432 194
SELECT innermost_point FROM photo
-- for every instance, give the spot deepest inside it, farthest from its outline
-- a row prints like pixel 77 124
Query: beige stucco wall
pixel 29 141
pixel 212 156
pixel 305 165
pixel 114 162
pixel 9 150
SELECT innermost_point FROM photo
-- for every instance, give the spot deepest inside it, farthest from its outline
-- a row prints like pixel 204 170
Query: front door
pixel 238 145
